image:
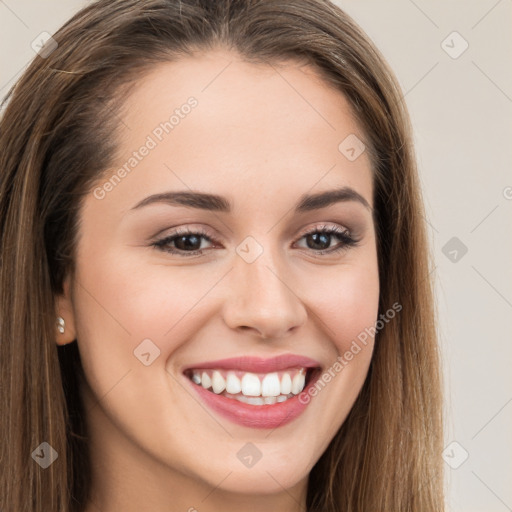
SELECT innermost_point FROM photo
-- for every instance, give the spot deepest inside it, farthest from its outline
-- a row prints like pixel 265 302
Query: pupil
pixel 321 238
pixel 187 245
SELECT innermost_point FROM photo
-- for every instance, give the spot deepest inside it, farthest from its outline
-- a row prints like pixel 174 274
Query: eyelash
pixel 347 240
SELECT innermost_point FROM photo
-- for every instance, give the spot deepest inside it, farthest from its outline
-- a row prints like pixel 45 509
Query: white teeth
pixel 256 400
pixel 218 382
pixel 286 384
pixel 298 383
pixel 271 385
pixel 241 398
pixel 206 381
pixel 251 385
pixel 233 384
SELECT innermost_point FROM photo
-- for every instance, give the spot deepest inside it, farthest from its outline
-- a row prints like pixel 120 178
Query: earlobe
pixel 64 321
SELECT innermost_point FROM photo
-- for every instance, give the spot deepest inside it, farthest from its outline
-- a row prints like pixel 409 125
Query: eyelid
pixel 323 226
pixel 187 229
pixel 334 229
pixel 213 236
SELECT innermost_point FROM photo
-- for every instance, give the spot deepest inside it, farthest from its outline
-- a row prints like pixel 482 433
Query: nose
pixel 262 300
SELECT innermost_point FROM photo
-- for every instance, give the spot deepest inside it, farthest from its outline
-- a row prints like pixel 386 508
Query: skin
pixel 260 135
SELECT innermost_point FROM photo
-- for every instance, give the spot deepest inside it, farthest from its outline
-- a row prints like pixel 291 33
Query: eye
pixel 186 242
pixel 319 239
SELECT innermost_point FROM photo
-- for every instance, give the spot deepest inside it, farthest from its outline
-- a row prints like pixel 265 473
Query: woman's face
pixel 269 299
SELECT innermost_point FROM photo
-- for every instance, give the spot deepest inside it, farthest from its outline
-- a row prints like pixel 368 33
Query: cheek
pixel 129 298
pixel 121 303
pixel 123 311
pixel 347 310
pixel 346 302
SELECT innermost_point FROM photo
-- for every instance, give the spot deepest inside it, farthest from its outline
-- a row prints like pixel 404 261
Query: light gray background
pixel 461 110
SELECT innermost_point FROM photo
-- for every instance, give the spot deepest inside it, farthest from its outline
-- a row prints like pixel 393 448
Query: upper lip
pixel 258 364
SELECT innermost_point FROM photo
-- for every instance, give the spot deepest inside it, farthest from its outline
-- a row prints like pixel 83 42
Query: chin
pixel 269 474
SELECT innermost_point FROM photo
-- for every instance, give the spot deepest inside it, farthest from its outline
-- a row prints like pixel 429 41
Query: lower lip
pixel 256 416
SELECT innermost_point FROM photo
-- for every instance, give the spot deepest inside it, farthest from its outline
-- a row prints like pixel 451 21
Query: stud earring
pixel 60 324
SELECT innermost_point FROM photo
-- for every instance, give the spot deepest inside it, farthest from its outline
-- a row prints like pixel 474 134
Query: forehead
pixel 266 128
pixel 228 87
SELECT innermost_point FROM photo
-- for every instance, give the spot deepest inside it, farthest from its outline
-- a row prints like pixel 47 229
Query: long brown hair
pixel 57 136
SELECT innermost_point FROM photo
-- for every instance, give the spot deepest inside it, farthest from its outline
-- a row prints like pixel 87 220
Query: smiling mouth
pixel 253 388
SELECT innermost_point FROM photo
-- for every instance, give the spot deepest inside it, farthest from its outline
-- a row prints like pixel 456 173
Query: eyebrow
pixel 216 203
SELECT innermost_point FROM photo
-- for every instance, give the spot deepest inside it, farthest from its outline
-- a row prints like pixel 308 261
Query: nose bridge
pixel 261 279
pixel 261 296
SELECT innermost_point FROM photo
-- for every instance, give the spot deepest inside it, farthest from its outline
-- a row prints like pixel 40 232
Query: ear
pixel 64 309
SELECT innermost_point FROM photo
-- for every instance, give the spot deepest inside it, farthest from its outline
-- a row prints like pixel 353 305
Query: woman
pixel 215 284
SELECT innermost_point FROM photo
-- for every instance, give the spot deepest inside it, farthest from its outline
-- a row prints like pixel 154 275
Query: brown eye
pixel 319 239
pixel 184 242
pixel 187 242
